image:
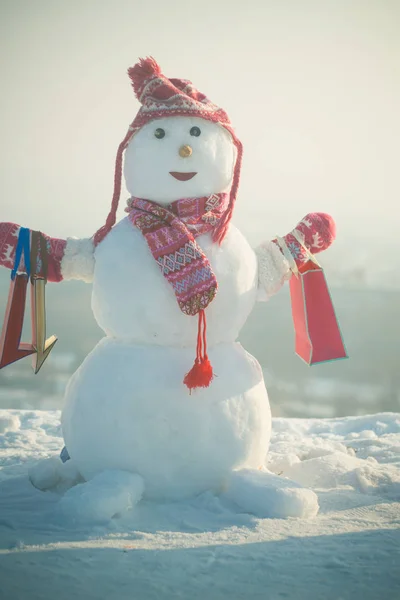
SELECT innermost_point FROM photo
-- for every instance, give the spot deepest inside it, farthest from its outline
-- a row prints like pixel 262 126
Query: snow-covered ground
pixel 204 548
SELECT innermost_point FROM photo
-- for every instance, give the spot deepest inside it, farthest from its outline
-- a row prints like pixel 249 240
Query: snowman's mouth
pixel 182 176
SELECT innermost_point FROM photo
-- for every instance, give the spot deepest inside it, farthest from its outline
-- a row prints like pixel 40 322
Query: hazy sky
pixel 313 89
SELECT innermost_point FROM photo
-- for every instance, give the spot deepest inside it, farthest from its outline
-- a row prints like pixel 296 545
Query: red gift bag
pixel 318 336
pixel 11 347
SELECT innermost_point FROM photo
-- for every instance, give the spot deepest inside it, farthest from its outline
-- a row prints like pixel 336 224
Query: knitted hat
pixel 162 97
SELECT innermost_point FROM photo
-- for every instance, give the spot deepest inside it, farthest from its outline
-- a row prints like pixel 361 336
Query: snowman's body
pixel 127 407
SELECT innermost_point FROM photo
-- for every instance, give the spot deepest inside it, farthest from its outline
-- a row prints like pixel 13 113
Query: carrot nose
pixel 185 151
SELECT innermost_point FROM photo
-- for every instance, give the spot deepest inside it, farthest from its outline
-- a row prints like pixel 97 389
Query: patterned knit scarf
pixel 170 233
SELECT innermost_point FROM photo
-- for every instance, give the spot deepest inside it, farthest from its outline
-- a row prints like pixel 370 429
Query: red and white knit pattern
pixel 163 97
pixel 8 243
pixel 316 231
pixel 170 234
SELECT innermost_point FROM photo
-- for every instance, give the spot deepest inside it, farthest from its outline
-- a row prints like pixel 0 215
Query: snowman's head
pixel 179 145
pixel 179 157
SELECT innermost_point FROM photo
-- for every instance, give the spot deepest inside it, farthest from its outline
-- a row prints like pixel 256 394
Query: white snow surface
pixel 205 547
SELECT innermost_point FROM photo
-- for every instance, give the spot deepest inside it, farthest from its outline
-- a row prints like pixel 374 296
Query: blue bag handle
pixel 23 244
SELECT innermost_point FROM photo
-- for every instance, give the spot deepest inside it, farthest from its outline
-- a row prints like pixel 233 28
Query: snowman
pixel 169 405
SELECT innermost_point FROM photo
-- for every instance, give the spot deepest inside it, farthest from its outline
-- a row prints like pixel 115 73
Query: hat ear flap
pixel 112 215
pixel 221 229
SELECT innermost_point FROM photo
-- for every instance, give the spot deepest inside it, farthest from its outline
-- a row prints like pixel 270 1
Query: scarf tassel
pixel 201 374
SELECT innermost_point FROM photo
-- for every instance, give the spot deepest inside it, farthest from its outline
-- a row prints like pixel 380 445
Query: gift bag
pixel 11 347
pixel 33 246
pixel 317 334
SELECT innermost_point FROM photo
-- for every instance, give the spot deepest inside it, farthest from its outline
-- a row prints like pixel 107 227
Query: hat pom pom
pixel 140 73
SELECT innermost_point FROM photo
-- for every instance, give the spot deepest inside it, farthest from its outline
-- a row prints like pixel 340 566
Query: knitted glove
pixel 67 259
pixel 315 232
pixel 278 259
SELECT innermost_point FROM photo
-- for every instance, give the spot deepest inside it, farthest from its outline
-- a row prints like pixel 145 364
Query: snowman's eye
pixel 196 131
pixel 159 133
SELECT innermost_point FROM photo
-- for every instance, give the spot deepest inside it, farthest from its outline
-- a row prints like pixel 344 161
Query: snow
pixel 264 494
pixel 204 547
pixel 105 496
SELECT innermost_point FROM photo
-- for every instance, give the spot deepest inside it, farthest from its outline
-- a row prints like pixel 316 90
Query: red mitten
pixel 316 232
pixel 8 243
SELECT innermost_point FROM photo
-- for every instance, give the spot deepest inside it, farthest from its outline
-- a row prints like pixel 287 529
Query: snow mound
pixel 46 473
pixel 362 453
pixel 271 496
pixel 9 422
pixel 52 473
pixel 107 495
pixel 205 547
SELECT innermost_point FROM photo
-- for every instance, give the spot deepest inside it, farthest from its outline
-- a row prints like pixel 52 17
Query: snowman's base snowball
pixel 266 495
pixel 127 409
pixel 107 495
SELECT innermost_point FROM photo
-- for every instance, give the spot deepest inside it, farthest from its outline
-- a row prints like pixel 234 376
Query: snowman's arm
pixel 273 270
pixel 67 259
pixel 78 259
